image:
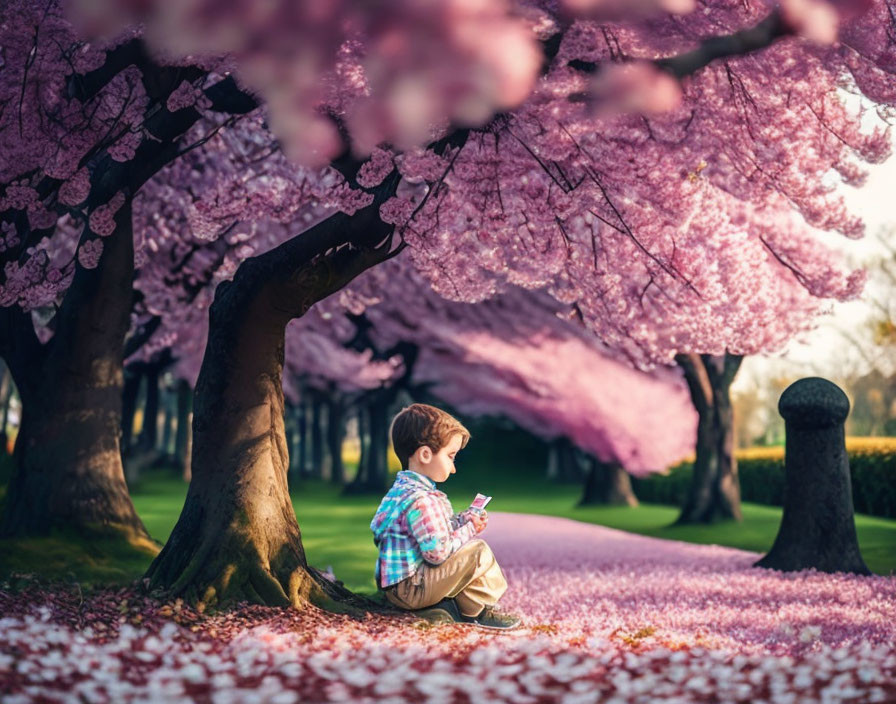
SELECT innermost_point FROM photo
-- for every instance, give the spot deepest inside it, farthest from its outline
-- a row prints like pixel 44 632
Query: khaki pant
pixel 471 576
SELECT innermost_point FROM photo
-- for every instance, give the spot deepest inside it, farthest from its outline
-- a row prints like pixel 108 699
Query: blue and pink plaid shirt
pixel 414 523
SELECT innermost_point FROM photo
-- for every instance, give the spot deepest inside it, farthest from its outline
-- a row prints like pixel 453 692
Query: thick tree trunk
pixel 714 493
pixel 335 438
pixel 68 470
pixel 237 537
pixel 607 484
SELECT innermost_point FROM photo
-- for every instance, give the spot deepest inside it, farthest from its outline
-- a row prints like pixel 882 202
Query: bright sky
pixel 825 351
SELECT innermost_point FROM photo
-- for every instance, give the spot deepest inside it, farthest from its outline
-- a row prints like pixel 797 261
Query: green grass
pixel 68 558
pixel 335 529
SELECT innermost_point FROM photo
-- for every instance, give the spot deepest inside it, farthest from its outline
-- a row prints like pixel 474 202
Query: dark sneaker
pixel 490 618
pixel 445 611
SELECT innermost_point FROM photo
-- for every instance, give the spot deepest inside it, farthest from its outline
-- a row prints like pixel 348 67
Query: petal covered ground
pixel 610 617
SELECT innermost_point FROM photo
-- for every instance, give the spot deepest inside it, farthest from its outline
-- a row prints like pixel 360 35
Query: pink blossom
pixel 89 253
pixel 634 87
pixel 76 189
pixel 817 20
pixel 376 168
pixel 607 616
pixel 102 219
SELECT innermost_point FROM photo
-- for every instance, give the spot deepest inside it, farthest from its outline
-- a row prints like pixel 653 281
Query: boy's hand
pixel 479 520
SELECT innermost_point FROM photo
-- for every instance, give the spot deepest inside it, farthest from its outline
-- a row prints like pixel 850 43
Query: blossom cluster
pixel 608 616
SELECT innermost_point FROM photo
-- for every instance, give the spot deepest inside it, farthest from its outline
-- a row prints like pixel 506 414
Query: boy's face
pixel 437 466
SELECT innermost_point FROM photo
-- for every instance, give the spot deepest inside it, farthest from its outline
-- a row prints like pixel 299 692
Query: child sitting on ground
pixel 429 556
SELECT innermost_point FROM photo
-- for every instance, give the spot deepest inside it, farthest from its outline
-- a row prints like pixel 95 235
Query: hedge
pixel 872 464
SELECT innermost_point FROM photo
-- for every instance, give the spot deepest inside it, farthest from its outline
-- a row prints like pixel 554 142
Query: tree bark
pixel 714 493
pixel 67 459
pixel 607 484
pixel 237 537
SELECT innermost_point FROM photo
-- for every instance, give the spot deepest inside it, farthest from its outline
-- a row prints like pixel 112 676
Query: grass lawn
pixel 335 529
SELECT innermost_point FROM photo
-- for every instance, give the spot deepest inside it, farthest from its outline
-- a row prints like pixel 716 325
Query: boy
pixel 428 554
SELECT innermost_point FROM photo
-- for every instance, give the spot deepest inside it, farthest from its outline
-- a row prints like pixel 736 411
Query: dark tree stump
pixel 817 527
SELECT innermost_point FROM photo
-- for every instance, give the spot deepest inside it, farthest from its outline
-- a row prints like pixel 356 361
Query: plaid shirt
pixel 415 523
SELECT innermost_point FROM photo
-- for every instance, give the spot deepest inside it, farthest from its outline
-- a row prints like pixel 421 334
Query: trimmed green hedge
pixel 762 481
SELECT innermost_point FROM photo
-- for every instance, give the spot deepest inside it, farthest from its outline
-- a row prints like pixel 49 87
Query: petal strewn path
pixel 592 580
pixel 610 617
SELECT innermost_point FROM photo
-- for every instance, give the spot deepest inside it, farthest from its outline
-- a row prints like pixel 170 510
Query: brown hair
pixel 420 424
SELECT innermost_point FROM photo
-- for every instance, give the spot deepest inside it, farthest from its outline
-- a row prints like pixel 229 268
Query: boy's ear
pixel 424 453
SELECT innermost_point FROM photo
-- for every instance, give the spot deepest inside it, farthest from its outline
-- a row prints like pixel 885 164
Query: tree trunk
pixel 378 469
pixel 170 418
pixel 335 438
pixel 607 484
pixel 67 459
pixel 295 443
pixel 373 429
pixel 289 427
pixel 183 430
pixel 5 396
pixel 304 437
pixel 149 433
pixel 317 436
pixel 565 465
pixel 187 473
pixel 237 537
pixel 714 493
pixel 364 441
pixel 133 375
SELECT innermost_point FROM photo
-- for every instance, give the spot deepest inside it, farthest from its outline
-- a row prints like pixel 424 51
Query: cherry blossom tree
pixel 84 125
pixel 658 253
pixel 664 231
pixel 499 357
pixel 519 356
